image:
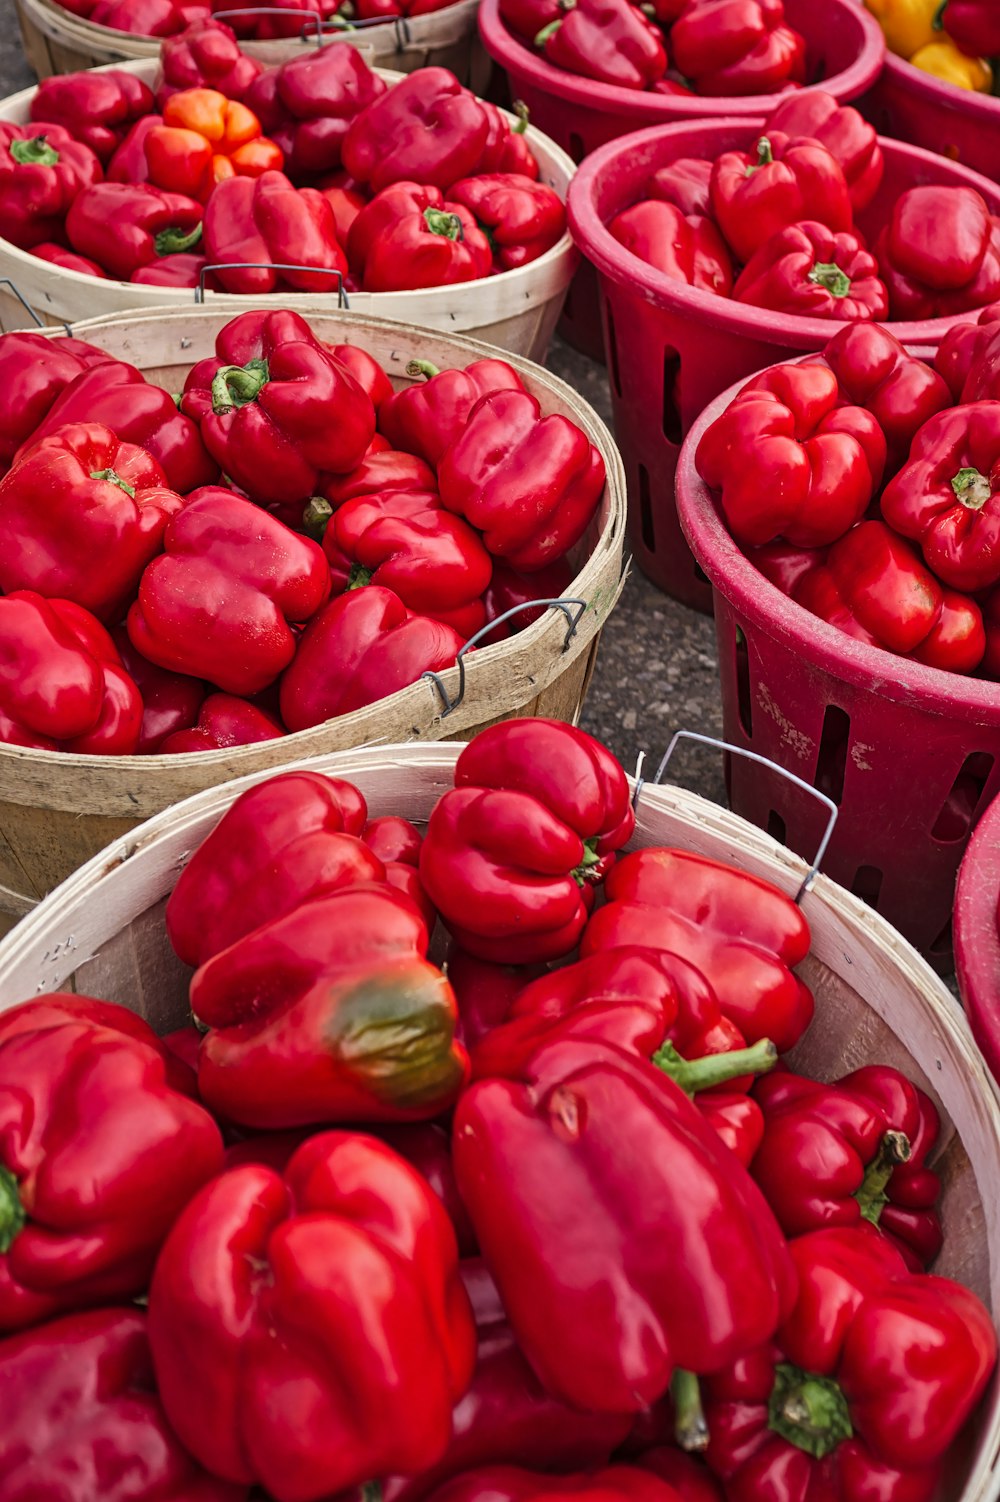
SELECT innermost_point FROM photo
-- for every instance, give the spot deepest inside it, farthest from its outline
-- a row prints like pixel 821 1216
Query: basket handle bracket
pixel 39 322
pixel 573 610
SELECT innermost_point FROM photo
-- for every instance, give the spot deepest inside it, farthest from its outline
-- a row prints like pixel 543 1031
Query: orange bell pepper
pixel 204 139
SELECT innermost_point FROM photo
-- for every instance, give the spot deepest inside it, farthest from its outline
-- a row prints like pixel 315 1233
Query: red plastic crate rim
pixel 977 940
pixel 960 124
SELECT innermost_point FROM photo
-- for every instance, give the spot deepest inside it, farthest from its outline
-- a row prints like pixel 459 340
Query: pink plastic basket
pixel 910 754
pixel 671 349
pixel 914 107
pixel 977 942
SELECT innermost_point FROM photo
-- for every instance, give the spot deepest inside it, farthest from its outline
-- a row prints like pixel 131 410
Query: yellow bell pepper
pixel 908 24
pixel 944 60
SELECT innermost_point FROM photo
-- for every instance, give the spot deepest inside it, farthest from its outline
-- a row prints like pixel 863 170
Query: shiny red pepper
pixel 845 134
pixel 687 248
pixel 963 349
pixel 947 496
pixel 374 1405
pixel 224 720
pixel 362 647
pixel 43 170
pixel 685 183
pixel 220 603
pixel 607 40
pixel 205 55
pixel 940 253
pixel 527 17
pixel 844 1403
pixel 507 148
pixel 426 419
pixel 58 255
pixel 34 371
pixel 307 104
pixel 96 108
pixel 810 270
pixel 692 1480
pixel 123 226
pixel 781 181
pixel 170 701
pixel 141 17
pixel 387 472
pixel 512 1483
pixel 513 852
pixel 426 129
pixel 268 222
pixel 737 47
pixel 900 391
pixel 177 271
pixel 62 686
pixel 790 461
pixel 80 1402
pixel 485 991
pixel 128 164
pixel 99 1155
pixel 396 843
pixel 81 515
pixel 508 590
pixel 410 236
pixel 974 25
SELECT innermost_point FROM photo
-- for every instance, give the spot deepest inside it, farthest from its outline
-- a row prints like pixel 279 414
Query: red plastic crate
pixel 912 106
pixel 977 940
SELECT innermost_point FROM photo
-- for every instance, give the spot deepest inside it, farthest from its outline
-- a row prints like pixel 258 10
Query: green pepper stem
pixel 809 1411
pixel 422 367
pixel 765 157
pixel 893 1150
pixel 715 1068
pixel 584 872
pixel 826 274
pixel 170 242
pixel 113 478
pixel 449 226
pixel 690 1426
pixel 12 1214
pixel 972 489
pixel 35 152
pixel 359 576
pixel 238 385
pixel 546 32
pixel 372 1492
pixel 315 515
pixel 519 108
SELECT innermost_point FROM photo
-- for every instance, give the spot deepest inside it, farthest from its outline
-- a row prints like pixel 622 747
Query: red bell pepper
pixel 63 687
pixel 80 1402
pixel 780 182
pixel 809 270
pixel 737 47
pixel 689 1477
pixel 129 164
pixel 874 371
pixel 97 108
pixel 405 541
pixel 159 18
pixel 682 1266
pixel 853 1151
pixel 525 18
pixel 974 25
pixel 98 1156
pixel 844 1404
pixel 426 419
pixel 307 105
pixel 530 484
pixel 205 55
pixel 962 349
pixel 43 170
pixel 484 991
pixel 607 40
pixel 284 842
pixel 381 474
pixel 224 720
pixel 874 587
pixel 170 701
pixel 220 603
pixel 790 461
pixel 512 854
pixel 784 565
pixel 177 271
pixel 425 129
pixel 688 249
pixel 507 148
pixel 58 255
pixel 410 236
pixel 123 226
pixel 508 589
pixel 947 496
pixel 845 134
pixel 740 932
pixel 265 220
pixel 267 421
pixel 81 515
pixel 366 371
pixel 397 1339
pixel 513 1483
pixel 939 253
pixel 396 843
pixel 685 183
pixel 362 647
pixel 34 370
pixel 346 204
pixel 426 1146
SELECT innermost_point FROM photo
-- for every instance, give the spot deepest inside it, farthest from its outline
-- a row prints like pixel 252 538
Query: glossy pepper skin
pixel 741 933
pixel 781 181
pixel 509 589
pixel 282 843
pixel 142 17
pixel 851 1151
pixel 530 484
pixel 205 55
pixel 58 255
pixel 687 248
pixel 410 236
pixel 945 499
pixel 944 59
pixel 170 701
pixel 810 270
pixel 728 47
pixel 205 139
pixel 396 842
pixel 846 135
pixel 522 218
pixel 62 687
pixel 33 373
pixel 220 602
pixel 900 391
pixel 512 853
pixel 907 25
pixel 265 219
pixel 512 1483
pixel 99 1156
pixel 789 461
pixel 123 226
pixel 43 169
pixel 347 1240
pixel 97 109
pixel 224 720
pixel 425 129
pixel 535 1153
pixel 874 585
pixel 852 1357
pixel 974 25
pixel 939 253
pixel 79 1397
pixel 426 419
pixel 362 647
pixel 607 40
pixel 307 104
pixel 965 347
pixel 77 497
pixel 685 183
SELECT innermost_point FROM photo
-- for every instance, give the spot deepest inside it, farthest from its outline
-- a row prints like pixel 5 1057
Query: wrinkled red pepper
pixel 426 419
pixel 224 720
pixel 900 391
pixel 426 129
pixel 123 226
pixel 810 270
pixel 205 55
pixel 96 108
pixel 607 40
pixel 266 220
pixel 43 170
pixel 844 133
pixel 34 371
pixel 687 248
pixel 307 104
pixel 781 181
pixel 410 236
pixel 344 1201
pixel 737 47
pixel 939 253
pixel 790 461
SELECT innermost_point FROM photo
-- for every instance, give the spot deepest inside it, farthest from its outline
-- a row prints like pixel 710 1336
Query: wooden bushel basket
pixel 102 934
pixel 57 810
pixel 517 310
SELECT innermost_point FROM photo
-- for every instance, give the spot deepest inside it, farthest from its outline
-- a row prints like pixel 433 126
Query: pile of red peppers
pixel 865 484
pixel 312 164
pixel 288 540
pixel 172 18
pixel 536 1210
pixel 773 226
